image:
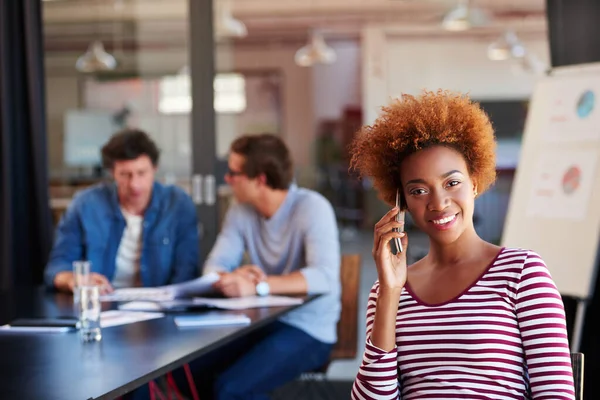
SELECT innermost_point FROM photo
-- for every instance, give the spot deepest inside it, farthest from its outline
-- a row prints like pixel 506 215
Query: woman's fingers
pixel 384 226
pixel 384 242
pixel 389 216
pixel 389 227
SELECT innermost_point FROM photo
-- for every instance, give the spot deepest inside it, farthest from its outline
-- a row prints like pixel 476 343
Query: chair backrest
pixel 347 328
pixel 577 364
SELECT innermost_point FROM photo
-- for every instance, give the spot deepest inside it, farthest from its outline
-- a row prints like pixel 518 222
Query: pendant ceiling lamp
pixel 506 46
pixel 226 26
pixel 463 17
pixel 315 52
pixel 96 59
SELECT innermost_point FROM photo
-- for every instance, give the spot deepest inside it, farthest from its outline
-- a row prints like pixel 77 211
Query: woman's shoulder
pixel 517 264
pixel 517 255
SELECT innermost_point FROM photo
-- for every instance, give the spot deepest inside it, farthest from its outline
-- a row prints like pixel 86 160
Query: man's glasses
pixel 231 173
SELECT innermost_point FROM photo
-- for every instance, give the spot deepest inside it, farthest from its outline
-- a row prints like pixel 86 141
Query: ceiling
pixel 71 24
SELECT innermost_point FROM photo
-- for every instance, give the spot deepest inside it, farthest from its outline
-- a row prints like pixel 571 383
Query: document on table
pixel 119 317
pixel 237 303
pixel 198 286
pixel 107 319
pixel 240 303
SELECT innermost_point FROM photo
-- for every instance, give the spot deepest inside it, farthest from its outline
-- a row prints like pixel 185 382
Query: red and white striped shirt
pixel 504 337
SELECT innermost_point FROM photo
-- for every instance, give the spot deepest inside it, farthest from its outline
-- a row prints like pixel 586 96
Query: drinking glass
pixel 89 313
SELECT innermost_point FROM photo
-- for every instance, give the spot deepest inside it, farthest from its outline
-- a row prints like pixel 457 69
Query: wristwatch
pixel 263 288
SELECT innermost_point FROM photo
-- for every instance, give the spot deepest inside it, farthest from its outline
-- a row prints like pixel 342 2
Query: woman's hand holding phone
pixel 391 268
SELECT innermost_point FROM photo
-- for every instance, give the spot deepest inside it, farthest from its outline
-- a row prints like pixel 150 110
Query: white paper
pixel 118 317
pixel 573 112
pixel 240 303
pixel 562 184
pixel 198 286
pixel 141 306
pixel 131 294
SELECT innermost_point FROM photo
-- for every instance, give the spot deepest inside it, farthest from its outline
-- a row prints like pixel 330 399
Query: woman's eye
pixel 453 183
pixel 417 191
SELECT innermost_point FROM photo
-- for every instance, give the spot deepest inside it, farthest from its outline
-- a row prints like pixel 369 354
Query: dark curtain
pixel 25 222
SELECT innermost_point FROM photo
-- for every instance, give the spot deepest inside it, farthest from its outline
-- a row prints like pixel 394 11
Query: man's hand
pixel 236 284
pixel 65 281
pixel 251 272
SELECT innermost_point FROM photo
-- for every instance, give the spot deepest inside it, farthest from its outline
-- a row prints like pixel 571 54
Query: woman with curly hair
pixel 469 320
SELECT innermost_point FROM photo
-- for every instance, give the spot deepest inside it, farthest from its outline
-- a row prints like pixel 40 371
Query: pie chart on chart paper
pixel 585 104
pixel 571 180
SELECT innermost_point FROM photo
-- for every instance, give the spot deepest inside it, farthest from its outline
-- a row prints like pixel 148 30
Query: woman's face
pixel 439 192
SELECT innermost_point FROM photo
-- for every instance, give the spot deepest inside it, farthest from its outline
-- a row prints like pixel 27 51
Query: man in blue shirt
pixel 133 230
pixel 290 238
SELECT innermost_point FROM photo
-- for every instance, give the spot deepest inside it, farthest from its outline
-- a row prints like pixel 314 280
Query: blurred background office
pixel 311 71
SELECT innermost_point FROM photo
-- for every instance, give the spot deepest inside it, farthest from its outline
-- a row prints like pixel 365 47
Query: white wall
pixel 297 94
pixel 395 65
pixel 337 85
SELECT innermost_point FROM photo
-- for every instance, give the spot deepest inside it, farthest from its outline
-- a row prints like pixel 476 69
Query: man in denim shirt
pixel 134 231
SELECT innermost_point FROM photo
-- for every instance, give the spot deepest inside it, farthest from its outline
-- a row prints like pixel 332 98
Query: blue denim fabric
pixel 280 358
pixel 93 225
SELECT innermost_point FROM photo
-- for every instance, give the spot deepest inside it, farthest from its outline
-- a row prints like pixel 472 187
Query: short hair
pixel 129 144
pixel 413 123
pixel 265 154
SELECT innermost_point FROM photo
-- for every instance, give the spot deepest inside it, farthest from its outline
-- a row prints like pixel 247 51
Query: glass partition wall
pixel 115 64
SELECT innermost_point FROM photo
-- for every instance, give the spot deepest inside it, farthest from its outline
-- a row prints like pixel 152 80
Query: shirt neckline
pixel 465 291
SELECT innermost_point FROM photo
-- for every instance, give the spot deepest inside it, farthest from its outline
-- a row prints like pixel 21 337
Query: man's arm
pixel 187 241
pixel 322 249
pixel 68 245
pixel 228 250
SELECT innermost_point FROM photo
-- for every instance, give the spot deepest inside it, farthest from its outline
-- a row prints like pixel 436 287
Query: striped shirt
pixel 504 337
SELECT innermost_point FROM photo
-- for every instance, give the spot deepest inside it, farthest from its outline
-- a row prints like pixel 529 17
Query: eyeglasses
pixel 232 173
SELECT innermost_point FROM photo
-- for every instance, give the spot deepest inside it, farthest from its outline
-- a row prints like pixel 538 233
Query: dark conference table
pixel 58 366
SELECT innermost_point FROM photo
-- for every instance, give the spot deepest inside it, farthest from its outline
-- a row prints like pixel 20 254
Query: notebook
pixel 41 325
pixel 211 319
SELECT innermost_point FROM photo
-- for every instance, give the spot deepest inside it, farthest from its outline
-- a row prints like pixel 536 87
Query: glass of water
pixel 89 313
pixel 81 277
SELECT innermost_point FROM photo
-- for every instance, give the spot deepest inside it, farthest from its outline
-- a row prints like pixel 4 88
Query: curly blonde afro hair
pixel 410 124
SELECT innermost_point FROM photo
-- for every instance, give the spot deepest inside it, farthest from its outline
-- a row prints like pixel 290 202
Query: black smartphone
pixel 396 243
pixel 45 322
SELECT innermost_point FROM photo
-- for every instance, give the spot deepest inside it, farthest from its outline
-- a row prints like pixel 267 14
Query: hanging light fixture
pixel 96 59
pixel 509 46
pixel 532 64
pixel 225 24
pixel 506 46
pixel 463 17
pixel 315 52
